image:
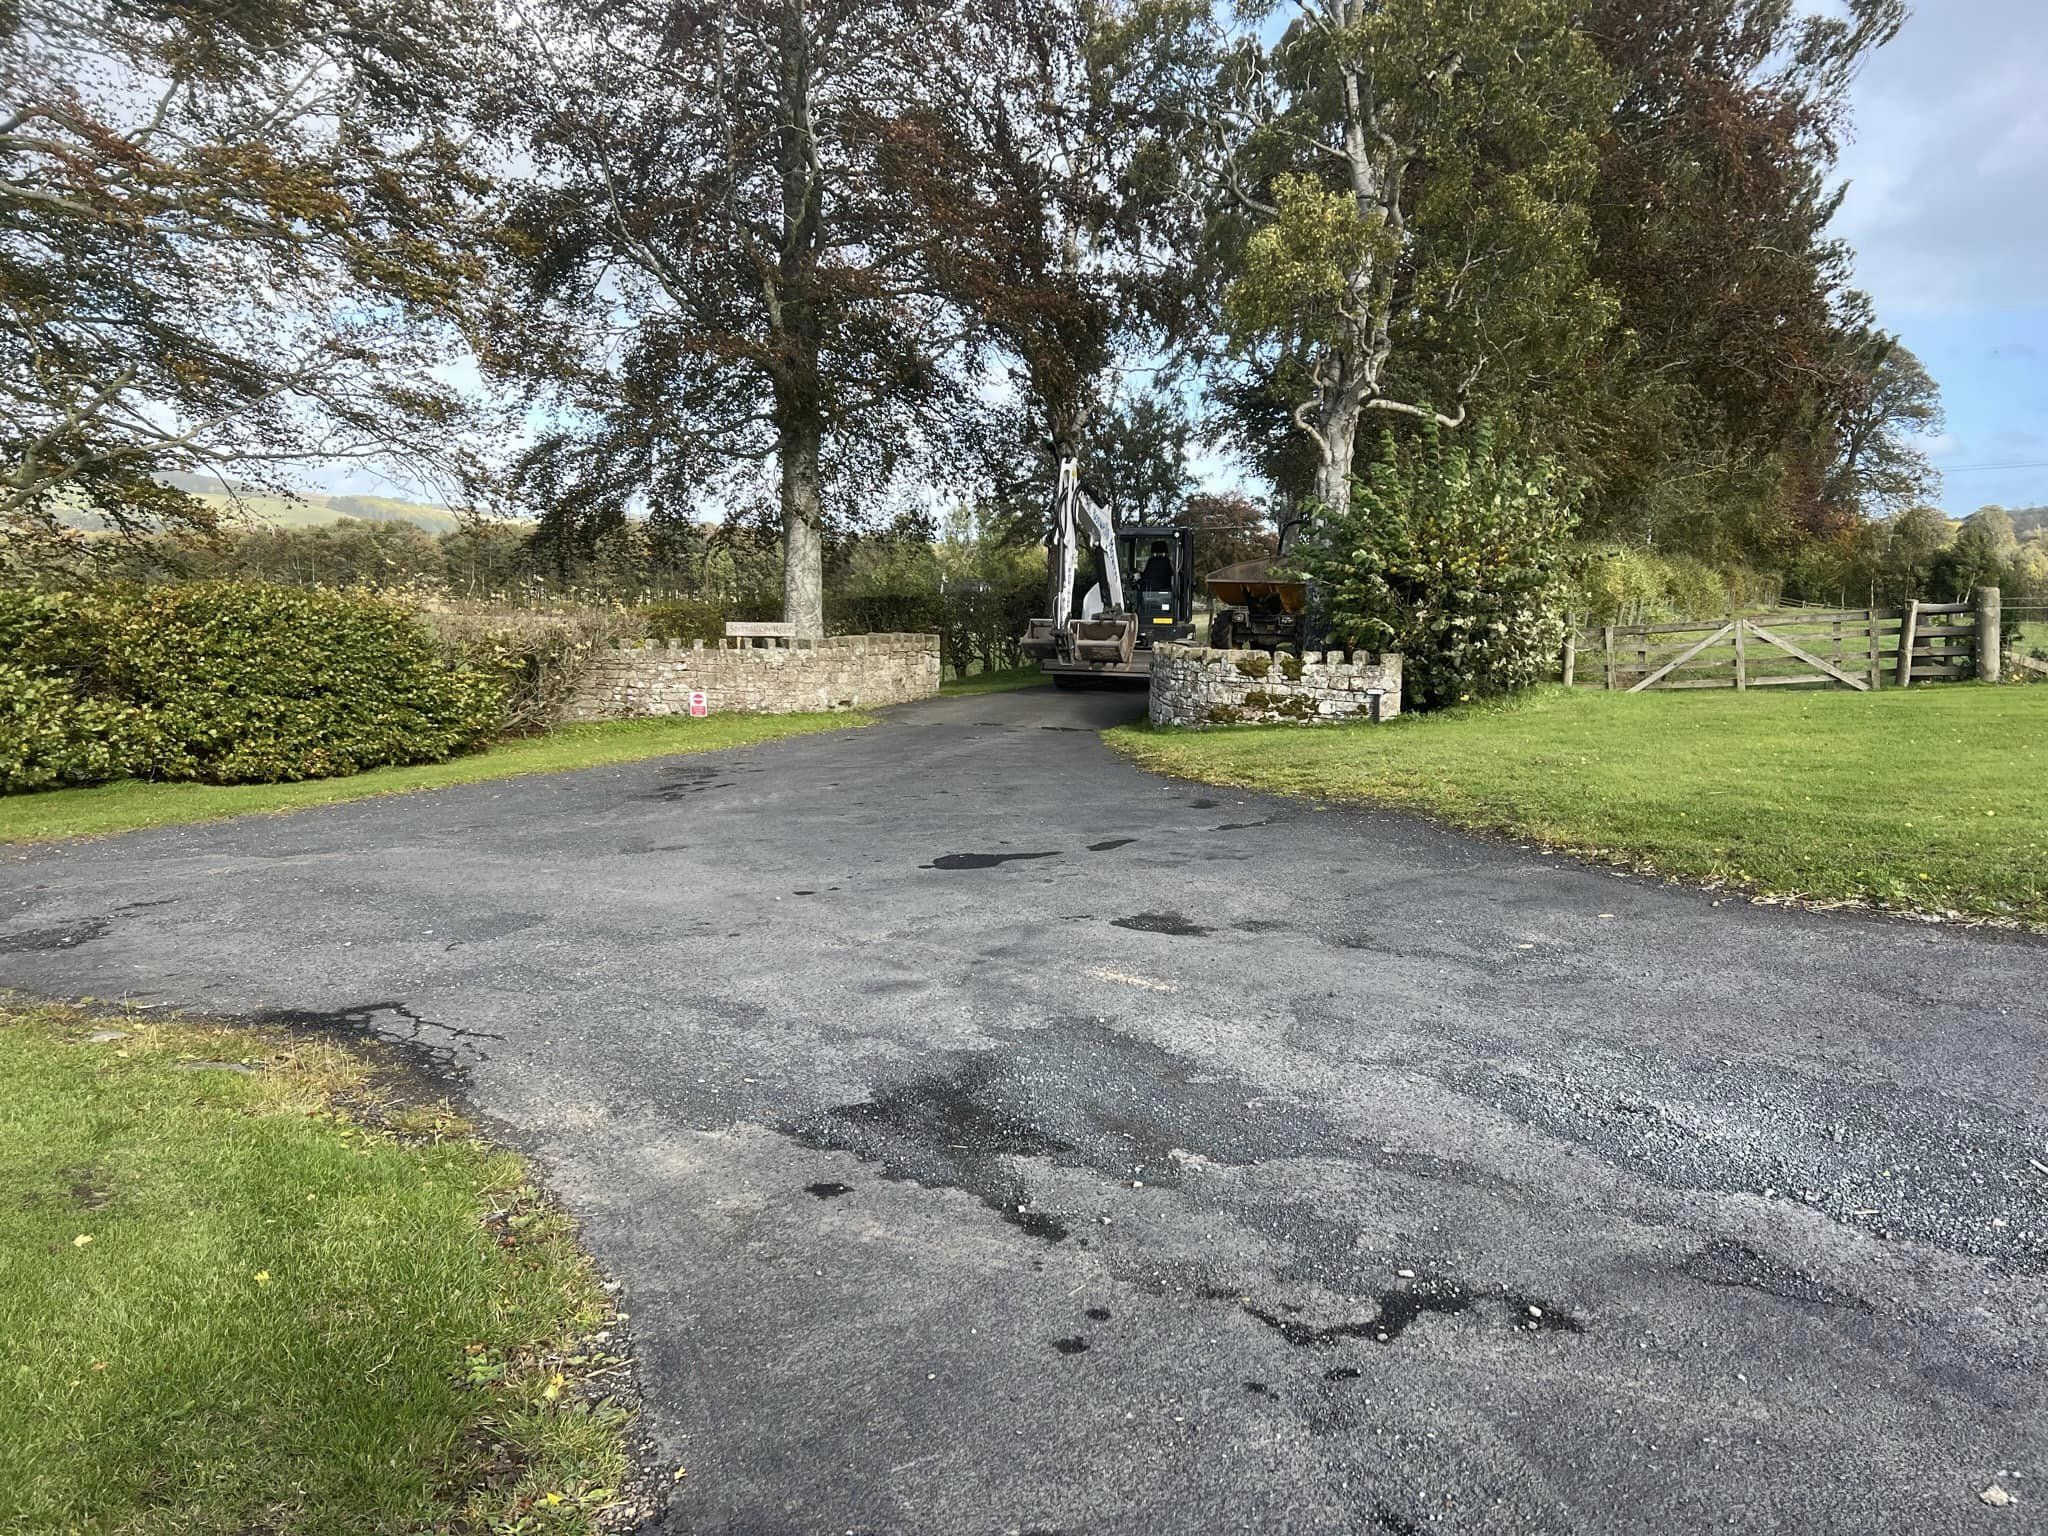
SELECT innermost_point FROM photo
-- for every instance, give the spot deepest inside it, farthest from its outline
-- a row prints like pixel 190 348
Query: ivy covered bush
pixel 225 683
pixel 535 655
pixel 1452 553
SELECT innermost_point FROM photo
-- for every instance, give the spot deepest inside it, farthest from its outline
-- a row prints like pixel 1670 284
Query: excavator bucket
pixel 1041 639
pixel 1108 639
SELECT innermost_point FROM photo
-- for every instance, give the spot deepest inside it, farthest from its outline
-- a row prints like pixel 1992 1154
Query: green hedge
pixel 226 683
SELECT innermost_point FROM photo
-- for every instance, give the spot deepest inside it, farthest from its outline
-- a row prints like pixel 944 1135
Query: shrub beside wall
pixel 226 683
pixel 536 655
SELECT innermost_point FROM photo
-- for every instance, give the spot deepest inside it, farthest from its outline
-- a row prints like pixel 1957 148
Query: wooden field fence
pixel 1856 648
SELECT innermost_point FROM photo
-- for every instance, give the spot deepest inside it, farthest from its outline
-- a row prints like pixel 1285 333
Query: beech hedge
pixel 226 683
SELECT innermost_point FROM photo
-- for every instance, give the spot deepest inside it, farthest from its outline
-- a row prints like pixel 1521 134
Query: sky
pixel 1947 210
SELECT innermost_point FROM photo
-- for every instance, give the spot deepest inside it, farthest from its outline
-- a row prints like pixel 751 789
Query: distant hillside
pixel 308 509
pixel 312 509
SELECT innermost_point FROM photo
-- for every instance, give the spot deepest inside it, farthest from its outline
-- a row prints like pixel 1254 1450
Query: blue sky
pixel 1948 212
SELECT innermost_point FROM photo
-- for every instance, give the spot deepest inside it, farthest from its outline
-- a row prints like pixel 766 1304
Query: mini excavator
pixel 1114 592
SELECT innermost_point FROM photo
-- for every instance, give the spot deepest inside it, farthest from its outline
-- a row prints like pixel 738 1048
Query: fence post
pixel 1908 628
pixel 1607 633
pixel 1876 666
pixel 1571 649
pixel 1741 657
pixel 1990 642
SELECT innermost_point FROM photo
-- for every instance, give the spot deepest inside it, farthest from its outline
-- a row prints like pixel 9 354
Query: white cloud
pixel 1948 170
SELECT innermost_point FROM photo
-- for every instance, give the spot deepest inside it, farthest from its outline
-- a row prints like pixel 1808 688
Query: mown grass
pixel 273 1300
pixel 1932 799
pixel 132 805
pixel 1000 680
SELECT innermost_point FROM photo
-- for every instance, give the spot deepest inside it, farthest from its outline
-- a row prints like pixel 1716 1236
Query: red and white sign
pixel 700 706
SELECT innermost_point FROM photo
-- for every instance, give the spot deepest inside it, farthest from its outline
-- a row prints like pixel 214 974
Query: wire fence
pixel 2026 640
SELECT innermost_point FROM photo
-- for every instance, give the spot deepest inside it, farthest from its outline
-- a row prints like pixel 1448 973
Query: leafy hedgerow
pixel 226 683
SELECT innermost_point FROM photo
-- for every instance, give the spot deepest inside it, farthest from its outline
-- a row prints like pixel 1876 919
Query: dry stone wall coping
pixel 1199 686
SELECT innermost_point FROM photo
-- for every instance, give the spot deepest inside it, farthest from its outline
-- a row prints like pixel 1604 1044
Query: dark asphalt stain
pixel 144 906
pixel 1074 1346
pixel 1306 1336
pixel 947 1128
pixel 1041 1224
pixel 1261 925
pixel 1077 730
pixel 1260 1389
pixel 1398 1309
pixel 33 939
pixel 1161 922
pixel 1081 1095
pixel 688 779
pixel 828 1190
pixel 1342 1373
pixel 1205 805
pixel 1109 843
pixel 1098 1314
pixel 803 893
pixel 983 860
pixel 1392 1523
pixel 1725 1262
pixel 640 845
pixel 1243 826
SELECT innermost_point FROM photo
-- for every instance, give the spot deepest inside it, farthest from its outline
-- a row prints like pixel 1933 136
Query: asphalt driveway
pixel 992 1138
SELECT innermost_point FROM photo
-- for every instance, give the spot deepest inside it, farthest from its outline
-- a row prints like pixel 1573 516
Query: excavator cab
pixel 1160 589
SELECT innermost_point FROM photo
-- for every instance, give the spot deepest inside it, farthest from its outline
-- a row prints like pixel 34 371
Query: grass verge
pixel 1000 681
pixel 132 805
pixel 246 1289
pixel 1929 800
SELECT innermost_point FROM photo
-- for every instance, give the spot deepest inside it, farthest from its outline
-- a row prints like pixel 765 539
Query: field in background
pixel 309 509
pixel 1927 799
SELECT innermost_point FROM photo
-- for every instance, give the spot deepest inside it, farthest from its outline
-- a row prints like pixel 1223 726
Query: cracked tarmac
pixel 993 1138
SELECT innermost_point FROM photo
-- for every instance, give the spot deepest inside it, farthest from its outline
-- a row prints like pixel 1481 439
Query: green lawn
pixel 130 805
pixel 1931 799
pixel 277 1300
pixel 1000 681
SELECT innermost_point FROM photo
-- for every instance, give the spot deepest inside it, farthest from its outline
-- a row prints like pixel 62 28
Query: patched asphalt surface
pixel 992 1138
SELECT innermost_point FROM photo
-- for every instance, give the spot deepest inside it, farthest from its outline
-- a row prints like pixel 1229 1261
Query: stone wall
pixel 1193 685
pixel 843 672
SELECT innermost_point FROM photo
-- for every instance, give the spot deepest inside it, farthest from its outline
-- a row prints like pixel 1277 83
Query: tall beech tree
pixel 233 238
pixel 1052 161
pixel 1723 393
pixel 1404 186
pixel 726 276
pixel 1884 402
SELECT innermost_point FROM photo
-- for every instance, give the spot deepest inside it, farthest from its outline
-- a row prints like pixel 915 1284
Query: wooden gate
pixel 1858 648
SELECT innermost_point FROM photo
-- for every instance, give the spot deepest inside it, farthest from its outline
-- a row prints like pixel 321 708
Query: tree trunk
pixel 803 540
pixel 1339 429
